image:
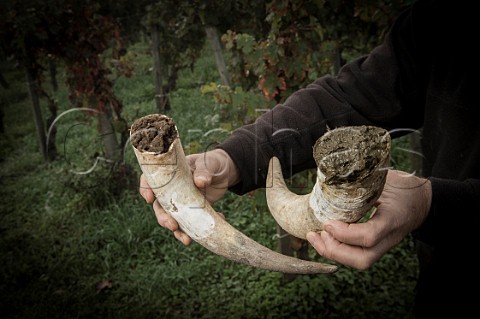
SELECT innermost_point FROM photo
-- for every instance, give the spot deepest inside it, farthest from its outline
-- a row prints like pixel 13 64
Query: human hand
pixel 213 172
pixel 401 208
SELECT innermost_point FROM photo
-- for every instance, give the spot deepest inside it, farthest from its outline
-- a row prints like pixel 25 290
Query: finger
pixel 163 218
pixel 202 176
pixel 170 223
pixel 191 159
pixel 145 190
pixel 351 256
pixel 367 234
pixel 182 237
pixel 315 239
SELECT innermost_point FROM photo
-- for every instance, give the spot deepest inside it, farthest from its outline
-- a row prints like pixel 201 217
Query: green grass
pixel 71 249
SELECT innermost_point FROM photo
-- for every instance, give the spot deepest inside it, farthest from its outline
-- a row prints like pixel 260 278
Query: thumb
pixel 202 175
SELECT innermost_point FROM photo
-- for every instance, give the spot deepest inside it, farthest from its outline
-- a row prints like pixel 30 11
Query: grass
pixel 70 249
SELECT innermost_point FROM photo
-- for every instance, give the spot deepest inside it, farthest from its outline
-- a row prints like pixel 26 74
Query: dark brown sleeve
pixel 366 91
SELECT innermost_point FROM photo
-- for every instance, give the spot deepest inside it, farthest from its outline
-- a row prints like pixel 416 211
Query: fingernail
pixel 143 193
pixel 201 180
pixel 328 228
pixel 316 241
pixel 312 237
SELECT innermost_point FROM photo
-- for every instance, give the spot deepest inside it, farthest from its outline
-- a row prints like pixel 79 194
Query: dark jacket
pixel 421 77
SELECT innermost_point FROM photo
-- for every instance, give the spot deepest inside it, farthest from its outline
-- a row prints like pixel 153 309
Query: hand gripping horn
pixel 351 172
pixel 158 149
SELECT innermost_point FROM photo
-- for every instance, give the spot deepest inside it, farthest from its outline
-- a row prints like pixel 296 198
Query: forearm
pixel 374 90
pixel 290 130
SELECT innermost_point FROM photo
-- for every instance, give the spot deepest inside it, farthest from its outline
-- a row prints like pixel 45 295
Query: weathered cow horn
pixel 351 173
pixel 158 149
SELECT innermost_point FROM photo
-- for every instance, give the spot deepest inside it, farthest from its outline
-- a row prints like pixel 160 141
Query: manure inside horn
pixel 154 133
pixel 350 154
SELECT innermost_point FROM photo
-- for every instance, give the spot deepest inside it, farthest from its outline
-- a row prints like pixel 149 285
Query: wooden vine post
pixel 161 99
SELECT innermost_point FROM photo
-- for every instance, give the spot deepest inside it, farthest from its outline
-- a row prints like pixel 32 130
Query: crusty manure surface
pixel 349 154
pixel 153 133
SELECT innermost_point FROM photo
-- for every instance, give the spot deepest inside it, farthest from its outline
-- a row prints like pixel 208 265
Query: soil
pixel 153 133
pixel 349 154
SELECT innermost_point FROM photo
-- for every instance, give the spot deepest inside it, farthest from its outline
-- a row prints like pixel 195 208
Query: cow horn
pixel 351 172
pixel 168 174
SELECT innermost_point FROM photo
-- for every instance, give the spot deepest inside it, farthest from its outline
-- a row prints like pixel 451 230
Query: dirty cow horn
pixel 351 172
pixel 158 149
